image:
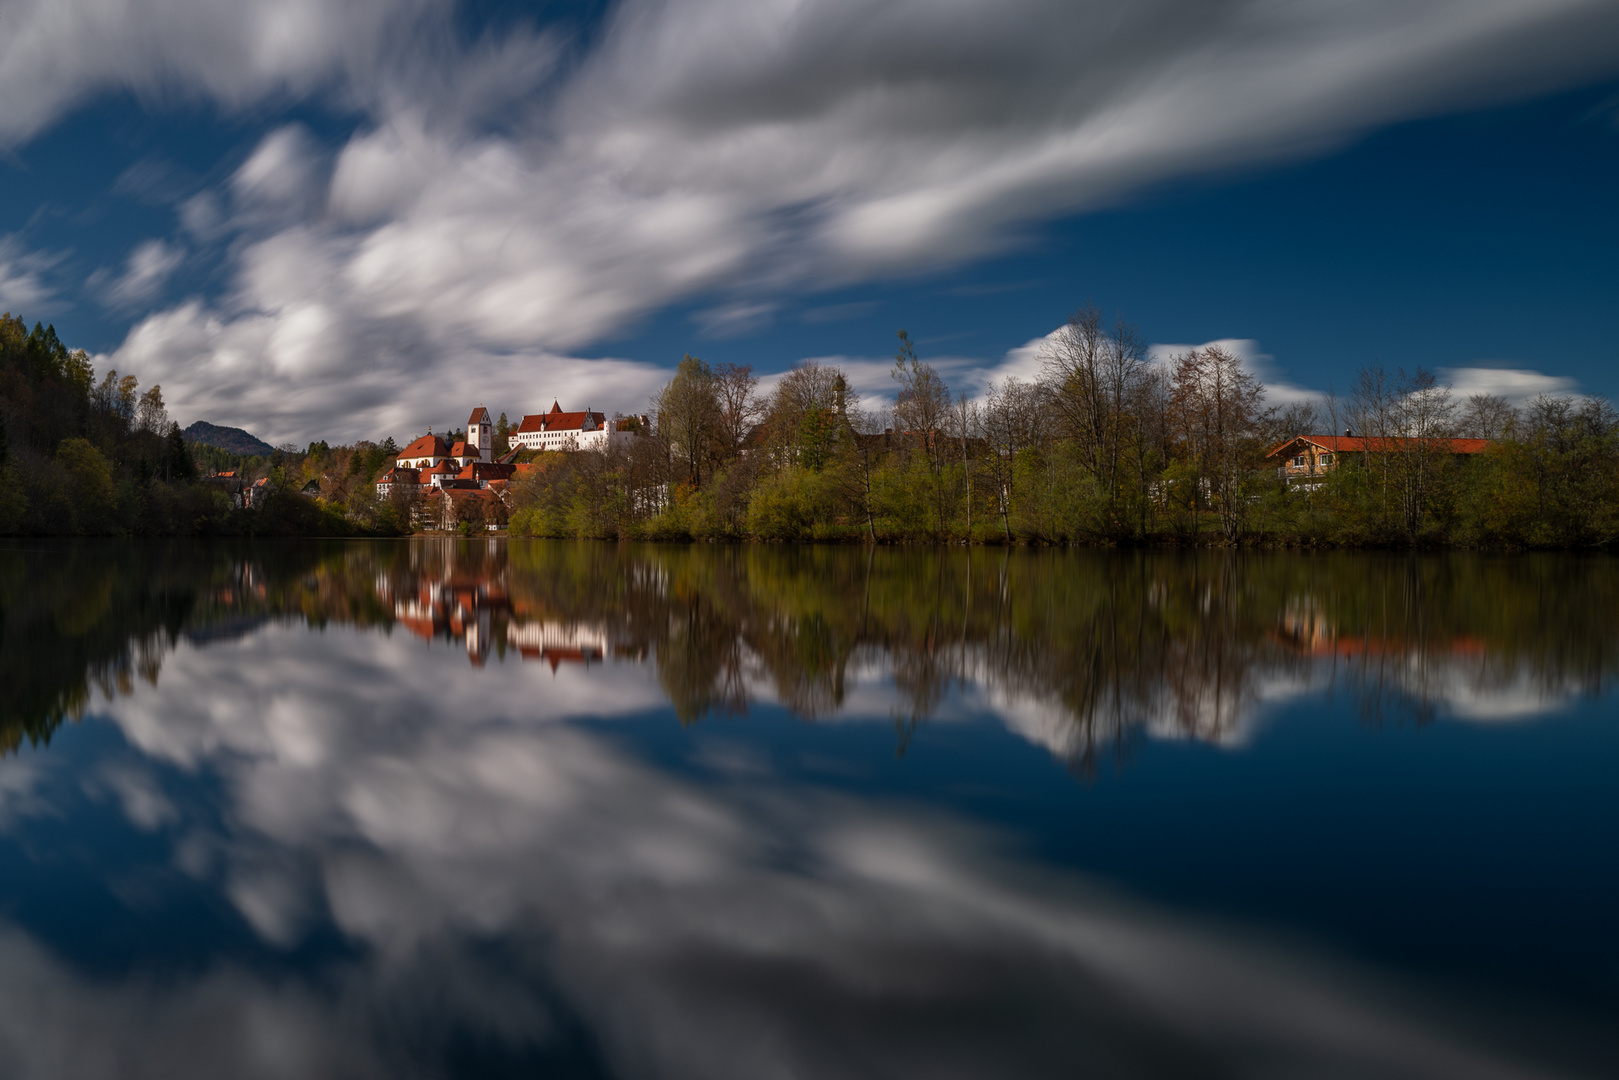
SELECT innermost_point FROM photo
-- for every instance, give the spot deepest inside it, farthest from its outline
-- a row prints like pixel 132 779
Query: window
pixel 1300 462
pixel 1326 459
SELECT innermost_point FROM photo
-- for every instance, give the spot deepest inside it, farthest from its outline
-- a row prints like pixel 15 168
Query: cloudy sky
pixel 352 218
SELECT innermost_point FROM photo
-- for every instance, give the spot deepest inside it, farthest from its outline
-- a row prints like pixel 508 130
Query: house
pixel 558 430
pixel 424 453
pixel 447 507
pixel 400 478
pixel 1304 459
pixel 480 473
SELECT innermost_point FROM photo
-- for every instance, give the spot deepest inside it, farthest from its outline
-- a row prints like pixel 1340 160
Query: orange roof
pixel 484 470
pixel 426 446
pixel 480 415
pixel 1350 444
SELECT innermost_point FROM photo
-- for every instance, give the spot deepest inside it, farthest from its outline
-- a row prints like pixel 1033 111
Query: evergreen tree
pixel 179 464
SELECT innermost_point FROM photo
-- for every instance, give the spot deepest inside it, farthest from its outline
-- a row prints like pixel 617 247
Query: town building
pixel 558 430
pixel 1305 459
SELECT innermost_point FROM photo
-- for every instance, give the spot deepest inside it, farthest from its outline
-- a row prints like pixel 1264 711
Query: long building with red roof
pixel 1306 457
pixel 559 430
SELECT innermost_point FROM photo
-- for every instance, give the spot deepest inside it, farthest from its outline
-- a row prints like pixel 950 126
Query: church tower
pixel 478 433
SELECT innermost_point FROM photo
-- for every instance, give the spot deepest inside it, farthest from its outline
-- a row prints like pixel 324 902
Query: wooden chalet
pixel 1305 458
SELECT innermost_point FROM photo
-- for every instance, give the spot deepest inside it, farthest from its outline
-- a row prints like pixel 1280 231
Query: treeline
pixel 88 455
pixel 1104 447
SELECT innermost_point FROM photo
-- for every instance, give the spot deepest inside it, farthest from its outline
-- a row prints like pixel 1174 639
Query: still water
pixel 484 809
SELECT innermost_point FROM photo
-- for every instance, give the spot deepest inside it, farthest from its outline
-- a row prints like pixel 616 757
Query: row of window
pixel 1303 459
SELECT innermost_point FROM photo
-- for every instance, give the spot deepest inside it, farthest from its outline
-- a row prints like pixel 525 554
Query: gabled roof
pixel 480 415
pixel 426 446
pixel 485 470
pixel 557 420
pixel 1353 444
pixel 463 449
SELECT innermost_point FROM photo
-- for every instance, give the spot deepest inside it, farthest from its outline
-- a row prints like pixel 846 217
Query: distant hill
pixel 232 439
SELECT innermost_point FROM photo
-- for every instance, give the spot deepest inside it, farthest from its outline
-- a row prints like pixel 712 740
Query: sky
pixel 343 219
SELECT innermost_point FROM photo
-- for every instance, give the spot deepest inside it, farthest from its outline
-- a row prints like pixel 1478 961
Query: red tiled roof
pixel 1351 444
pixel 480 415
pixel 557 420
pixel 484 470
pixel 426 446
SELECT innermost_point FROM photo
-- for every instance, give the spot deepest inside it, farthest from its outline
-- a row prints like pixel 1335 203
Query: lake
pixel 436 808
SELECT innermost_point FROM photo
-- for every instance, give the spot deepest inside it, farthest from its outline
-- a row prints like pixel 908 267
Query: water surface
pixel 481 809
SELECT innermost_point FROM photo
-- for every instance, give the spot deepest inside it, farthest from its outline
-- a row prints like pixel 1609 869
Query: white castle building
pixel 558 430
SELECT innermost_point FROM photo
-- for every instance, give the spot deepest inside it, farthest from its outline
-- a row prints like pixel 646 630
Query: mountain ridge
pixel 232 439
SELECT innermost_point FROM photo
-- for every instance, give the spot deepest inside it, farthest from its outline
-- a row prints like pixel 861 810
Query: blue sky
pixel 348 220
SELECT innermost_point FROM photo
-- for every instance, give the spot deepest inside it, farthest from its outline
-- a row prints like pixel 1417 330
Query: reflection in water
pixel 1075 650
pixel 439 871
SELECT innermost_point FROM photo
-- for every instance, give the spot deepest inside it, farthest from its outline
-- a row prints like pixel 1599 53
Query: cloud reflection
pixel 752 927
pixel 504 869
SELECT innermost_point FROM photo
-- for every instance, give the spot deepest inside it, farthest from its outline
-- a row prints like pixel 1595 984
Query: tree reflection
pixel 1080 650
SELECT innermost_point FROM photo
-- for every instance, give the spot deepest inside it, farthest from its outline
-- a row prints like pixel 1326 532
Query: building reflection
pixel 1079 651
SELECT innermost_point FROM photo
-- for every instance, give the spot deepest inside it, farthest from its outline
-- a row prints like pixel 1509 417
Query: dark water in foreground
pixel 484 810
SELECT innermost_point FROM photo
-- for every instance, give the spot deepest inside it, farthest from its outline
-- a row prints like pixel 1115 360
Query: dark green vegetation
pixel 97 456
pixel 1104 448
pixel 1095 643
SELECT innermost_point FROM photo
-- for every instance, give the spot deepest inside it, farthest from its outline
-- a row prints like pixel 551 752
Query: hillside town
pixel 442 476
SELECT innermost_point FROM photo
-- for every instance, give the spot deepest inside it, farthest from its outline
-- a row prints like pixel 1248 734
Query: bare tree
pixel 922 408
pixel 1219 413
pixel 1486 416
pixel 739 407
pixel 1012 418
pixel 1423 415
pixel 1094 375
pixel 803 412
pixel 922 412
pixel 966 417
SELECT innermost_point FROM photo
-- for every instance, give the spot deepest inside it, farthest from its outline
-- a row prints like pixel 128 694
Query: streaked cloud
pixel 145 273
pixel 489 199
pixel 1517 385
pixel 23 288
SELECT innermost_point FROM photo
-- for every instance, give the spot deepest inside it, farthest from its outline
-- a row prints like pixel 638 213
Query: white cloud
pixel 145 273
pixel 22 283
pixel 711 145
pixel 57 54
pixel 1261 365
pixel 734 319
pixel 1518 385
